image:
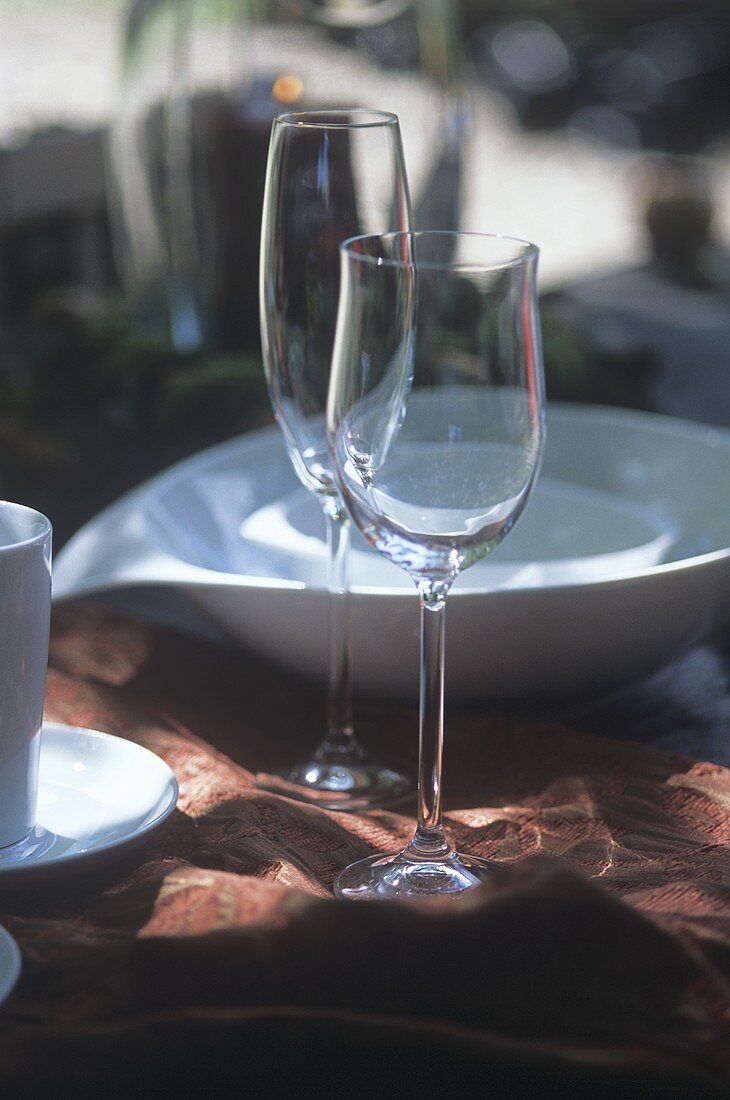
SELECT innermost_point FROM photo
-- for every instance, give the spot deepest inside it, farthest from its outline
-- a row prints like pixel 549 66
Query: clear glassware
pixel 201 81
pixel 330 174
pixel 436 425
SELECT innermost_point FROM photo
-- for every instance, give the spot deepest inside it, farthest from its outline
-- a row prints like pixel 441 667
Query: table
pixel 213 961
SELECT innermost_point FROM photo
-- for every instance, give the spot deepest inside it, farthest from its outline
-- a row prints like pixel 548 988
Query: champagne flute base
pixel 340 785
pixel 405 876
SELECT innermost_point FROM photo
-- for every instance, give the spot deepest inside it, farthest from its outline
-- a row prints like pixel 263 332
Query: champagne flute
pixel 436 427
pixel 330 174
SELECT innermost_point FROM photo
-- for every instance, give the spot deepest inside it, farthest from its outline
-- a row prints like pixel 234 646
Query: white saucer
pixel 10 964
pixel 97 794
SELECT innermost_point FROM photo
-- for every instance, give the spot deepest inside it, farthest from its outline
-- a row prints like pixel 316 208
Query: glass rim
pixel 315 119
pixel 29 515
pixel 528 250
pixel 371 14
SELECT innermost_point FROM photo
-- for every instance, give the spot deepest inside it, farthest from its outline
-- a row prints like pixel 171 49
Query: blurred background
pixel 133 137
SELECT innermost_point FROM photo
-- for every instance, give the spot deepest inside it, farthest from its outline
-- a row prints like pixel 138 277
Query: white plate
pixel 621 561
pixel 97 795
pixel 10 964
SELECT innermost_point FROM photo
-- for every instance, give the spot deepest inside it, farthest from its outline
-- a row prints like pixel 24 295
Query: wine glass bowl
pixel 330 174
pixel 436 419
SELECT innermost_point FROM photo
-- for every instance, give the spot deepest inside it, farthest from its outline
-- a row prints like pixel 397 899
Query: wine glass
pixel 436 427
pixel 330 174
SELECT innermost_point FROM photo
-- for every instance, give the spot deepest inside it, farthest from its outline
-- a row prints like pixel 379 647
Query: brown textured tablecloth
pixel 213 961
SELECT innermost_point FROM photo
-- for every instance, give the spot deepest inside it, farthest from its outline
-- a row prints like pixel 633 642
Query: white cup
pixel 25 615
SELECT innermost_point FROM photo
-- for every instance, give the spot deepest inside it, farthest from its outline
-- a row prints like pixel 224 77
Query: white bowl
pixel 620 563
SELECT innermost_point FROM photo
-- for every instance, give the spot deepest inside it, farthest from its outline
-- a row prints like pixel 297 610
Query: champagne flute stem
pixel 429 840
pixel 340 739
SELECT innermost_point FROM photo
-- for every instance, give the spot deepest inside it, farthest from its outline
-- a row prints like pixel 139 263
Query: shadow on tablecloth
pixel 213 962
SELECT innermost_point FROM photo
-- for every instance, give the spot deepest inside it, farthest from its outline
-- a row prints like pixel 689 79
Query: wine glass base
pixel 405 876
pixel 348 786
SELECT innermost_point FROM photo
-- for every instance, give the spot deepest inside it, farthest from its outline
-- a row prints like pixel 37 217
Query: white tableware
pixel 25 609
pixel 97 795
pixel 621 563
pixel 10 964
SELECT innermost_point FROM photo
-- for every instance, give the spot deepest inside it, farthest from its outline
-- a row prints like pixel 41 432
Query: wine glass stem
pixel 429 840
pixel 340 740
